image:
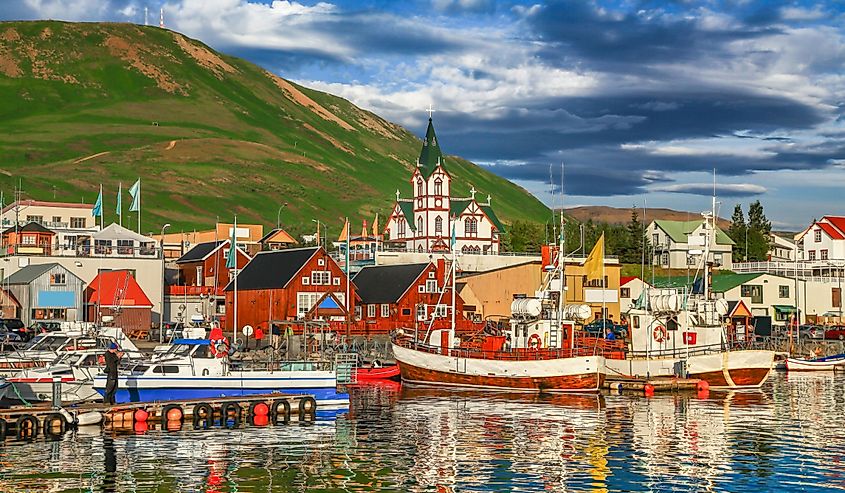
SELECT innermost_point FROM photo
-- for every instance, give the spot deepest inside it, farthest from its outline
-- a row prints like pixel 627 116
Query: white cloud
pixel 703 188
pixel 802 14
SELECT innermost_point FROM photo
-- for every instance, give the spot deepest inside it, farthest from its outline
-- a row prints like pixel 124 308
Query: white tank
pixel 526 307
pixel 578 312
pixel 722 307
pixel 674 302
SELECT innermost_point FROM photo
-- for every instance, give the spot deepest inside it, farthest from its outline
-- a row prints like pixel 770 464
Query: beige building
pixel 249 238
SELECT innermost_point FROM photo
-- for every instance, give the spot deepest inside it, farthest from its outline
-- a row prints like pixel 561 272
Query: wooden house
pixel 46 292
pixel 205 265
pixel 30 239
pixel 284 285
pixel 277 239
pixel 116 293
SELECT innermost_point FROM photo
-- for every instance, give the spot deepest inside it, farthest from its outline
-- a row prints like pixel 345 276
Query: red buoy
pixel 702 385
pixel 261 409
pixel 648 389
pixel 141 427
pixel 260 420
pixel 141 416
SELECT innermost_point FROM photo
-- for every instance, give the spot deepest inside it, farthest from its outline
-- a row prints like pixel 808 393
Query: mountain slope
pixel 210 135
pixel 618 215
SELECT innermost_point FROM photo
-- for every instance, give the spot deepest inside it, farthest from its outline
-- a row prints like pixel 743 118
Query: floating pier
pixel 654 384
pixel 26 423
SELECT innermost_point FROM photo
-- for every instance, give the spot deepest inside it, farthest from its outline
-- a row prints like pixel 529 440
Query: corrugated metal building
pixel 46 292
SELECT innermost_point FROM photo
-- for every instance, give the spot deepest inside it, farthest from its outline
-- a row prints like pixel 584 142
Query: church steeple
pixel 430 155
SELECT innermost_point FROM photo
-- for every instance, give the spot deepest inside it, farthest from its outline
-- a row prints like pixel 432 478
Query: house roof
pixel 679 230
pixel 726 282
pixel 29 273
pixel 626 279
pixel 277 235
pixel 386 283
pixel 200 251
pixel 116 288
pixel 493 218
pixel 273 269
pixel 837 221
pixel 407 208
pixel 457 206
pixel 5 293
pixel 41 203
pixel 115 231
pixel 430 155
pixel 31 227
pixel 831 231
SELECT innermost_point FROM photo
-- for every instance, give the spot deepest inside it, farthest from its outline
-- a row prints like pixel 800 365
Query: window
pixel 306 281
pixel 35 219
pixel 200 281
pixel 691 260
pixel 102 247
pixel 56 220
pixel 321 277
pixel 421 312
pixel 358 312
pixel 28 239
pixel 717 258
pixel 420 231
pixel 440 311
pixel 655 239
pixel 321 262
pixel 385 310
pixel 470 226
pixel 77 222
pixel 438 187
pixel 817 236
pixel 636 322
pixel 335 281
pixel 783 291
pixel 753 291
pixel 304 302
pixel 664 259
pixel 406 312
pixel 124 247
pixel 438 225
pixel 371 311
pixel 811 255
pixel 431 285
pixel 419 187
pixel 823 254
pixel 624 292
pixel 421 288
pixel 58 279
pixel 400 227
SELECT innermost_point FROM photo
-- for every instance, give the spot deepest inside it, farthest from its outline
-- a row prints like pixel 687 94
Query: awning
pixel 784 309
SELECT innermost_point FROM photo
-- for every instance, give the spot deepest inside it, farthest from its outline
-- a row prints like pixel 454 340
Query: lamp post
pixel 163 288
pixel 279 215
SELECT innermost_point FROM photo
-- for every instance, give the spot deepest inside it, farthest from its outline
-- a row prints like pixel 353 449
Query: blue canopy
pixel 192 342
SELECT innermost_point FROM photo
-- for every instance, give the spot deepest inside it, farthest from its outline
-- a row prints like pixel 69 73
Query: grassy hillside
pixel 210 135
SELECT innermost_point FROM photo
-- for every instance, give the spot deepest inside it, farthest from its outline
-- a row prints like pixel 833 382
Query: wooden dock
pixel 27 422
pixel 658 384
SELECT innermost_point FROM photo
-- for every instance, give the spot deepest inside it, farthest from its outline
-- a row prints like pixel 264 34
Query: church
pixel 424 223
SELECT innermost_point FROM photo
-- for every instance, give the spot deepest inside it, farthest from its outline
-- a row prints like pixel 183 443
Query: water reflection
pixel 784 438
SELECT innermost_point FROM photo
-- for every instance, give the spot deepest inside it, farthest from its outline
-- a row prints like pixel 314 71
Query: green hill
pixel 210 135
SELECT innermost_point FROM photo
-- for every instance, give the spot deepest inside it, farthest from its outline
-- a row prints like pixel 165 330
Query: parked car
pixel 596 328
pixel 810 332
pixel 835 332
pixel 14 325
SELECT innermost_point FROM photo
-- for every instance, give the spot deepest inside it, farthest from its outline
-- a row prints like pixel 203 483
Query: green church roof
pixel 430 155
pixel 408 211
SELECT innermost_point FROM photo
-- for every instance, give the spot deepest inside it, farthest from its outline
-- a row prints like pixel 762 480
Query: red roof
pixel 831 231
pixel 116 288
pixel 626 279
pixel 839 223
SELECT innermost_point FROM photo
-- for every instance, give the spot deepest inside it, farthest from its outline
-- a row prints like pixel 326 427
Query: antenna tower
pixel 161 18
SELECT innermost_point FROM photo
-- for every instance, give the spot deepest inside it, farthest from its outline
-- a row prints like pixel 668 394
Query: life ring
pixel 534 342
pixel 285 412
pixel 660 333
pixel 30 431
pixel 48 425
pixel 307 405
pixel 219 347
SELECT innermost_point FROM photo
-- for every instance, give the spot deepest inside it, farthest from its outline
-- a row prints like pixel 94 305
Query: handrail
pixel 511 355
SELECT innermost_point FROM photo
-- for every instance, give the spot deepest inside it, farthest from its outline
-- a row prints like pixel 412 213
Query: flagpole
pixel 101 207
pixel 139 208
pixel 235 247
pixel 119 205
pixel 347 267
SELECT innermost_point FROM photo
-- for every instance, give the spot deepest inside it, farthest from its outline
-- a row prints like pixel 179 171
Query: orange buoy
pixel 702 385
pixel 648 389
pixel 261 409
pixel 704 394
pixel 260 420
pixel 174 414
pixel 141 427
pixel 174 425
pixel 141 416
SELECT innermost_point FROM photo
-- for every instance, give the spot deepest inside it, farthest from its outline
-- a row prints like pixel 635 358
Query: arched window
pixel 400 226
pixel 419 187
pixel 438 187
pixel 420 231
pixel 464 249
pixel 438 225
pixel 471 226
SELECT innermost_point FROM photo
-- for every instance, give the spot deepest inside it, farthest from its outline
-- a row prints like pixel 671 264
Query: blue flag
pixel 97 211
pixel 454 236
pixel 232 259
pixel 119 206
pixel 135 193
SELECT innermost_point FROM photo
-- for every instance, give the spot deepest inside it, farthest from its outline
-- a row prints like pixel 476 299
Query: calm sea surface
pixel 788 437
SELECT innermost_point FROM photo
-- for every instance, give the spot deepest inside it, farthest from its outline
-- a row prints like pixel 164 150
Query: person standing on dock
pixel 112 358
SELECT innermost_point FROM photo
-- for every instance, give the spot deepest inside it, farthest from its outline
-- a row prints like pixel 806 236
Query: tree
pixel 632 253
pixel 738 229
pixel 759 233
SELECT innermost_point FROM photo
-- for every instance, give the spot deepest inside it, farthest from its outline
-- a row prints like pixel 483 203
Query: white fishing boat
pixel 827 363
pixel 75 371
pixel 198 369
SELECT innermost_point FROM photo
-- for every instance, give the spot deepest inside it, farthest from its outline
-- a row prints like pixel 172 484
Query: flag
pixel 375 226
pixel 135 193
pixel 119 193
pixel 232 259
pixel 594 265
pixel 454 236
pixel 97 211
pixel 344 235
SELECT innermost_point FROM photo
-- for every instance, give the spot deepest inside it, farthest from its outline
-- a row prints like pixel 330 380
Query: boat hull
pixel 385 373
pixel 794 364
pixel 41 389
pixel 576 374
pixel 743 369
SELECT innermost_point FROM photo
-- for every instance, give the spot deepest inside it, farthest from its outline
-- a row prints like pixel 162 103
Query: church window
pixel 400 226
pixel 419 187
pixel 470 226
pixel 438 225
pixel 438 187
pixel 420 231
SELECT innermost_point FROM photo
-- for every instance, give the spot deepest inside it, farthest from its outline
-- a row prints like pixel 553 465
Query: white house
pixel 823 240
pixel 425 223
pixel 781 249
pixel 630 289
pixel 680 244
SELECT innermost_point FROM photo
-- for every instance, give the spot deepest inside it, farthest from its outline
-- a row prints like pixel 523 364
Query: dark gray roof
pixel 31 227
pixel 200 251
pixel 28 274
pixel 272 269
pixel 386 283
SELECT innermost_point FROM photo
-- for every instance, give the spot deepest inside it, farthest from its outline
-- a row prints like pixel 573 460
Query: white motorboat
pixel 827 363
pixel 75 371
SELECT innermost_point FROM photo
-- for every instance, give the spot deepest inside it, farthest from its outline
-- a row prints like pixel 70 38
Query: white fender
pixel 89 418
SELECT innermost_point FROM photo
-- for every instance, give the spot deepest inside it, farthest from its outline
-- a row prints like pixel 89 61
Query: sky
pixel 634 102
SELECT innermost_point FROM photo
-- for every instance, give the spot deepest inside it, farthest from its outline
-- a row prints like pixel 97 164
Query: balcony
pixel 177 290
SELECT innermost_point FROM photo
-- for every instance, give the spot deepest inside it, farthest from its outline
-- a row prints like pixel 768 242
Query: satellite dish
pixel 247 330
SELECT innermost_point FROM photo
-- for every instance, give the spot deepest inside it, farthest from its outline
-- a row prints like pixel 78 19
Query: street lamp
pixel 279 215
pixel 163 287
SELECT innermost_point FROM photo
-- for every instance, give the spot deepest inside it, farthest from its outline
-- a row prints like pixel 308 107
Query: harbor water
pixel 787 437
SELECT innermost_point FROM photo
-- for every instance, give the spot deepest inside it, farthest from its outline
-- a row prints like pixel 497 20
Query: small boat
pixel 197 369
pixel 826 363
pixel 376 372
pixel 75 371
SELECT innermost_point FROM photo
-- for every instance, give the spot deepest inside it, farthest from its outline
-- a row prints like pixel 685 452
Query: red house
pixel 31 238
pixel 284 285
pixel 204 266
pixel 394 296
pixel 116 293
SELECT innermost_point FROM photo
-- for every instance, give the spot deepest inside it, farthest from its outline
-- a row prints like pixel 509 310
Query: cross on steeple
pixel 472 191
pixel 489 198
pixel 397 195
pixel 430 110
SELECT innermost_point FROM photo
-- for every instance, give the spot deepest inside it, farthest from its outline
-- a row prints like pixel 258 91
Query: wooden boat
pixel 367 373
pixel 827 363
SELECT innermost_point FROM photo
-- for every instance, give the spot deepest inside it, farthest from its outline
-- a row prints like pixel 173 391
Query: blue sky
pixel 640 100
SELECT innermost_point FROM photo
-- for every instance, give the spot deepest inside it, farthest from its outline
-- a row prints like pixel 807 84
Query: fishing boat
pixel 200 369
pixel 533 354
pixel 75 371
pixel 43 349
pixel 826 363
